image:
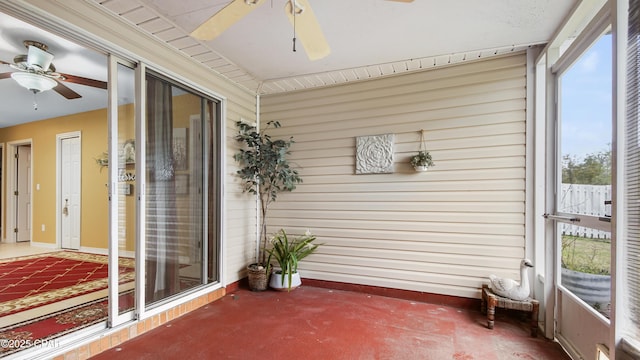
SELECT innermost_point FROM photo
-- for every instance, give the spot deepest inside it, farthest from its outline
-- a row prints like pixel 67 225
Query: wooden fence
pixel 585 200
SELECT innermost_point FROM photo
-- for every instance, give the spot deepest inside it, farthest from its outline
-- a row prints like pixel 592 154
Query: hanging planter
pixel 422 160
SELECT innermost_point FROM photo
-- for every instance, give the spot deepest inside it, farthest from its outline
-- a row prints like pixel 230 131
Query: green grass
pixel 586 255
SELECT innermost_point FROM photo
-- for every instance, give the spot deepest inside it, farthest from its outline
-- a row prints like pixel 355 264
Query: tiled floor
pixel 318 323
pixel 12 250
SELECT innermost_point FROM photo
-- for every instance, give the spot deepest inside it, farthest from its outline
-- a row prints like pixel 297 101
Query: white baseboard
pixel 44 245
pixel 92 250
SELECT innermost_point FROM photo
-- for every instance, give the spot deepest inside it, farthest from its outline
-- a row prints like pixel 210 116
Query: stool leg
pixel 534 319
pixel 483 302
pixel 491 311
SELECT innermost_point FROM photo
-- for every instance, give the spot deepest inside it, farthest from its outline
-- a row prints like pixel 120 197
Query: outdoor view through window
pixel 585 189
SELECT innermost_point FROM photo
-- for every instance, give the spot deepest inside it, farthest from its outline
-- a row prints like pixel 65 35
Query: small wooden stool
pixel 491 301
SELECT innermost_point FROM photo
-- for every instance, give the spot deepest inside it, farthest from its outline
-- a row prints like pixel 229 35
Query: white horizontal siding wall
pixel 240 208
pixel 443 231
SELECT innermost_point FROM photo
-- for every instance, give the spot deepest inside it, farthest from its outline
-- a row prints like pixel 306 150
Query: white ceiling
pixel 362 34
pixel 368 38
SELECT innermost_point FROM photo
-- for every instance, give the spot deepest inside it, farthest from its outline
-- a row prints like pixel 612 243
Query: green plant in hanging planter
pixel 421 160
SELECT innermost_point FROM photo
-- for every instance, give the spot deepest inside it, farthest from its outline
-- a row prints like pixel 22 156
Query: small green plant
pixel 288 252
pixel 422 158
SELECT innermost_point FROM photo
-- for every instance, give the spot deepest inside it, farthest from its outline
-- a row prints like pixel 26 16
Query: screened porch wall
pixel 443 231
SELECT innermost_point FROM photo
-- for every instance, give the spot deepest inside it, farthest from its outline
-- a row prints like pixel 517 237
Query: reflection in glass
pixel 175 196
pixel 126 179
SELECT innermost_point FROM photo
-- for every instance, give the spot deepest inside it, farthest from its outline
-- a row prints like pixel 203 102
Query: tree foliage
pixel 594 169
pixel 265 170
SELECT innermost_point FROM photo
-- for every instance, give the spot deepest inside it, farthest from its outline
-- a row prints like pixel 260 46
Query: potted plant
pixel 421 161
pixel 265 172
pixel 287 253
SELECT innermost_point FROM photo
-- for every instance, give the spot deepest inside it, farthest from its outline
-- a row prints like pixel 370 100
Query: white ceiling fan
pixel 299 12
pixel 36 72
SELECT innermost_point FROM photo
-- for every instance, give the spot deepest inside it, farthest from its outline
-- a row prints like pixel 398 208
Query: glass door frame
pixel 563 305
pixel 142 310
pixel 115 317
pixel 141 178
pixel 574 52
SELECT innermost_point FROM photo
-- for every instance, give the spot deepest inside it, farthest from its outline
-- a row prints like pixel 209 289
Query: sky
pixel 586 102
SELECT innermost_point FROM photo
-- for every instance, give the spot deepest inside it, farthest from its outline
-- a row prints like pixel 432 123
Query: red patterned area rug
pixel 37 280
pixel 39 331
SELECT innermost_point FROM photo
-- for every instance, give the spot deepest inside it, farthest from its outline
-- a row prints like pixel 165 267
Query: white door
pixel 23 193
pixel 70 193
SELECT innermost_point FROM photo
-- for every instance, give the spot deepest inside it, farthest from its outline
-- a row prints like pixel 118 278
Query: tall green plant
pixel 265 170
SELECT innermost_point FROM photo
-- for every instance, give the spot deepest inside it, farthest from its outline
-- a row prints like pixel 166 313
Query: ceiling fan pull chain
pixel 293 9
pixel 35 102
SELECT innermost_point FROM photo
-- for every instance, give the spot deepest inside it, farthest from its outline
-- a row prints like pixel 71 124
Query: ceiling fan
pixel 36 72
pixel 299 12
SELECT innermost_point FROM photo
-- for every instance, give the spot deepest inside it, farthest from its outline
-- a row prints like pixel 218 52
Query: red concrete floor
pixel 318 323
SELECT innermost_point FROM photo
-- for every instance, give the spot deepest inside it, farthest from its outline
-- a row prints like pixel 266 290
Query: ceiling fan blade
pixel 4 62
pixel 308 30
pixel 5 75
pixel 84 81
pixel 224 18
pixel 65 91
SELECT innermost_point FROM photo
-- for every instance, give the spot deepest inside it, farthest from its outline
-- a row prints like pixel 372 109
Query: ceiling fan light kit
pixel 39 59
pixel 34 82
pixel 36 72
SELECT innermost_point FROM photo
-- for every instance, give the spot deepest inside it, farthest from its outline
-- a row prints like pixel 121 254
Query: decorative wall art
pixel 374 154
pixel 180 149
pixel 128 155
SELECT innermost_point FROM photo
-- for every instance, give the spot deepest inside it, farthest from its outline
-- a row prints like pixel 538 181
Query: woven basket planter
pixel 258 278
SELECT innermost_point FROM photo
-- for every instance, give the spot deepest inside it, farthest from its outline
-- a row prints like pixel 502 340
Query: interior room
pixel 123 202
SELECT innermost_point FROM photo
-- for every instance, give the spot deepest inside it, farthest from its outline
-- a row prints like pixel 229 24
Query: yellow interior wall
pixel 94 217
pixel 126 131
pixel 93 128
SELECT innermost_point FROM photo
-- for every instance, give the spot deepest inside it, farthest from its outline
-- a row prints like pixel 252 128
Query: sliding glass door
pixel 180 223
